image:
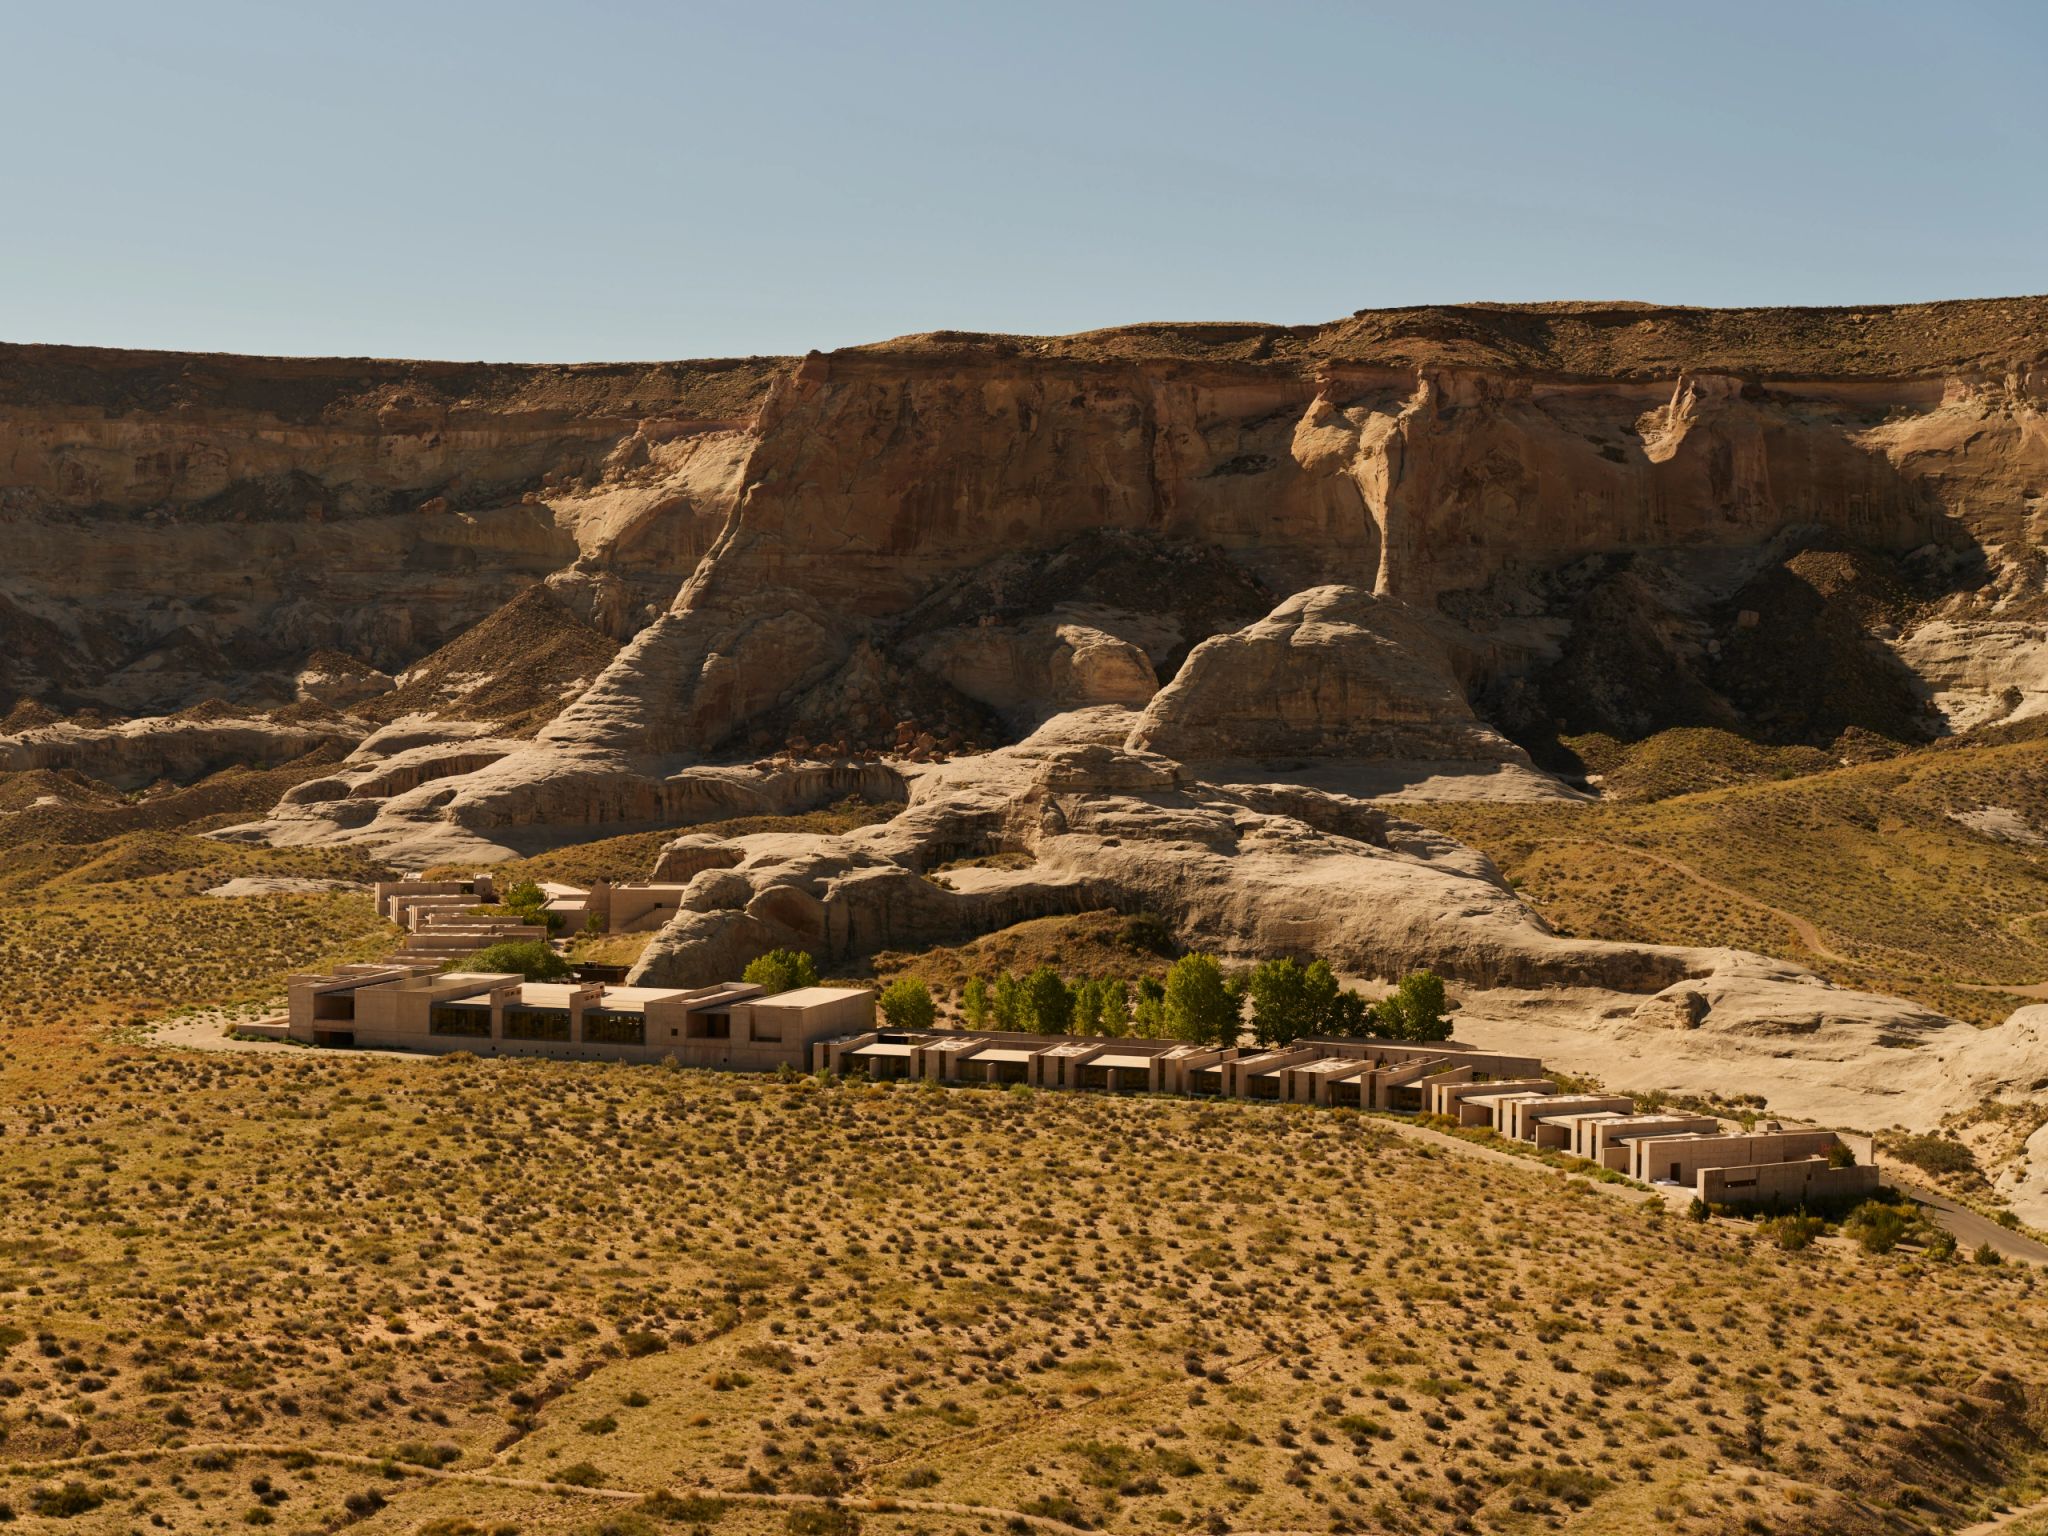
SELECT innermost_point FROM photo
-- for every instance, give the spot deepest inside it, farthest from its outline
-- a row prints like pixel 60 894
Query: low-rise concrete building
pixel 1772 1167
pixel 1605 1139
pixel 418 1008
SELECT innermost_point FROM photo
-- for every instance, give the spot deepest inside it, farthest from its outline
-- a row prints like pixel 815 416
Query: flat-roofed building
pixel 1605 1139
pixel 418 1008
pixel 1530 1120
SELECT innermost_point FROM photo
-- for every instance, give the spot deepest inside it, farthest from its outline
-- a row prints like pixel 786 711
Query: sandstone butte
pixel 1175 615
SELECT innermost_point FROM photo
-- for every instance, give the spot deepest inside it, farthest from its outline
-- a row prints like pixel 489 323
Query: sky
pixel 615 179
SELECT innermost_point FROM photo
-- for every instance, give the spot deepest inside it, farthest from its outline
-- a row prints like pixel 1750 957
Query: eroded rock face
pixel 136 753
pixel 1332 672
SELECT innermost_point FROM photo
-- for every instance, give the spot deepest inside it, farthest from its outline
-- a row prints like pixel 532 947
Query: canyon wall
pixel 180 526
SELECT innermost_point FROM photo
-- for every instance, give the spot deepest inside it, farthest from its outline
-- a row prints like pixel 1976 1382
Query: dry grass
pixel 1126 1315
pixel 1910 900
pixel 1129 1314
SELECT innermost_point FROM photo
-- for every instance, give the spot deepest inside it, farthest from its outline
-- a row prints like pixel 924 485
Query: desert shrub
pixel 1933 1154
pixel 1987 1255
pixel 363 1503
pixel 782 970
pixel 907 1004
pixel 419 1454
pixel 531 958
pixel 1056 1506
pixel 1876 1227
pixel 625 1523
pixel 1796 1232
pixel 1147 934
pixel 64 1500
pixel 691 1508
pixel 823 1520
pixel 581 1475
pixel 1941 1247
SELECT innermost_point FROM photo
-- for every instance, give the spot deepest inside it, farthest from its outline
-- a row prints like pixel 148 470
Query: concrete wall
pixel 1678 1159
pixel 1807 1182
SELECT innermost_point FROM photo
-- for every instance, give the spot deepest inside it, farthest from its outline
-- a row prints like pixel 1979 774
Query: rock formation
pixel 1164 608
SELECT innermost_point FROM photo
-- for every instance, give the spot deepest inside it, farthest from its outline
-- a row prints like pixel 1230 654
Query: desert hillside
pixel 1227 624
pixel 1669 681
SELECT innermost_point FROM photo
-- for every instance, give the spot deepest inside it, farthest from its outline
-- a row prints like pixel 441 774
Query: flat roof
pixel 1120 1061
pixel 808 997
pixel 882 1048
pixel 1001 1053
pixel 636 997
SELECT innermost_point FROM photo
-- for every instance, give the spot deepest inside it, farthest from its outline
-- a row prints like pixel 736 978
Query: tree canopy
pixel 782 970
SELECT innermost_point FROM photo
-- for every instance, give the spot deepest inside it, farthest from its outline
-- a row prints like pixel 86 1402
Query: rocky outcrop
pixel 1332 672
pixel 138 753
pixel 256 510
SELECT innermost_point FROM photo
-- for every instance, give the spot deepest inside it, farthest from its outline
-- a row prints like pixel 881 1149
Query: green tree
pixel 974 1003
pixel 1008 1004
pixel 1116 1006
pixel 782 970
pixel 530 958
pixel 1088 1008
pixel 1415 1010
pixel 529 903
pixel 1148 1017
pixel 1350 1015
pixel 1198 1004
pixel 907 1004
pixel 1290 1003
pixel 1048 1002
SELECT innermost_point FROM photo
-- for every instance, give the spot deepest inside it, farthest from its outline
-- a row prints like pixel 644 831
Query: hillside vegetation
pixel 1924 874
pixel 321 1276
pixel 461 1297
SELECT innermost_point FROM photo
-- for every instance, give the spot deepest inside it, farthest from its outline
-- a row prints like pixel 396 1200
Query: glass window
pixel 523 1023
pixel 469 1023
pixel 603 1026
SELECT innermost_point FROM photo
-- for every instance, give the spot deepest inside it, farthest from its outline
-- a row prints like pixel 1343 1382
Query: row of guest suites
pixel 1508 1094
pixel 737 1026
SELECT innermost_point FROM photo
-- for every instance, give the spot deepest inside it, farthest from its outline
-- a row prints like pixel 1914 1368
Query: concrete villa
pixel 415 1007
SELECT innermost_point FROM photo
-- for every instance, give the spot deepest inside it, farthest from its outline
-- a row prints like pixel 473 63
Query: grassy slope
pixel 1906 899
pixel 1138 1314
pixel 102 912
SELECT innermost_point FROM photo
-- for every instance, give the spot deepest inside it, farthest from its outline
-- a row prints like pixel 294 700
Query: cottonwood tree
pixel 782 970
pixel 907 1004
pixel 1198 1003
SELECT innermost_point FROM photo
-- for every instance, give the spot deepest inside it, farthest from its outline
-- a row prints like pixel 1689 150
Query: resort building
pixel 1506 1094
pixel 733 1026
pixel 411 1005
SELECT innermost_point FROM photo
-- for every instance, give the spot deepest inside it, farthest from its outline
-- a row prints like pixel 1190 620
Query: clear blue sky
pixel 635 180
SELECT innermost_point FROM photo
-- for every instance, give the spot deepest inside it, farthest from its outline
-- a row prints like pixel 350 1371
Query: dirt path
pixel 2005 1521
pixel 1807 933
